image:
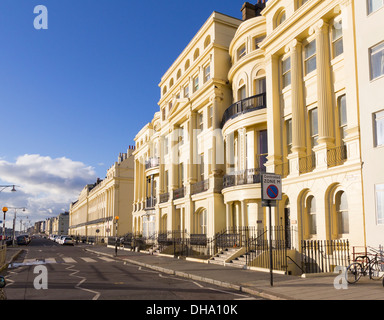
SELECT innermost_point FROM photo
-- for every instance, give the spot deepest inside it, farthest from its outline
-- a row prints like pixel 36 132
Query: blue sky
pixel 74 96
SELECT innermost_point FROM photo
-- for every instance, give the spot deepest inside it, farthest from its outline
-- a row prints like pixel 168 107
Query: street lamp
pixel 8 186
pixel 14 221
pixel 5 209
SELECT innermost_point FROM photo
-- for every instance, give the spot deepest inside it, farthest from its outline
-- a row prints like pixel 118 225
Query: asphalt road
pixel 49 271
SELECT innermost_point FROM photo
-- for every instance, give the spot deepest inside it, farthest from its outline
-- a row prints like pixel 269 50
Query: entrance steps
pixel 227 256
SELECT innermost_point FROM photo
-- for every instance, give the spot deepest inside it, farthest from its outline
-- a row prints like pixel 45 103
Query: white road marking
pixel 69 260
pixel 86 259
pixel 83 279
pixel 106 259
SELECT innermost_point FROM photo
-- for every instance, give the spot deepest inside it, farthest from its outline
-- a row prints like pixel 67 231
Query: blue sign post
pixel 270 193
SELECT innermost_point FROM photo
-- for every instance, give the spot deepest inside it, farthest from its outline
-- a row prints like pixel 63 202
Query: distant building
pixel 95 211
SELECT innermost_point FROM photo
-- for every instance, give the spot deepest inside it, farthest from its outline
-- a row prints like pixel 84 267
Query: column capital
pixel 292 46
pixel 318 27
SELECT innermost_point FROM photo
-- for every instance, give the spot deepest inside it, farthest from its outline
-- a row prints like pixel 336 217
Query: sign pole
pixel 271 192
pixel 270 243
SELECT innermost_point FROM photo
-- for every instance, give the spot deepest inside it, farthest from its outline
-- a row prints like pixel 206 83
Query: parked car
pixel 61 239
pixel 67 241
pixel 21 240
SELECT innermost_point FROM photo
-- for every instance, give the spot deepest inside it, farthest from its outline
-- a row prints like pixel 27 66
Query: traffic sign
pixel 271 187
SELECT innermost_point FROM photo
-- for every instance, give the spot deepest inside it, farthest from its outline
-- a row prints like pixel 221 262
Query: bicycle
pixel 362 266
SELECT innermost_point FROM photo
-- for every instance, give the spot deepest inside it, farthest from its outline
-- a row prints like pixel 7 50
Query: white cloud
pixel 46 186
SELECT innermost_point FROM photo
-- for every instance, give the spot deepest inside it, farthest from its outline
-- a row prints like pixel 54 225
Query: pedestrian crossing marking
pixel 106 259
pixel 29 262
pixel 86 259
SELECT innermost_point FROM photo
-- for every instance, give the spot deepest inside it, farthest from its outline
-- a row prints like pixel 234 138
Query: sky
pixel 74 96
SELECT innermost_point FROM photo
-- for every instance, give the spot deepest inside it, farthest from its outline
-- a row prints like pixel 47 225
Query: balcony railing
pixel 153 162
pixel 178 193
pixel 150 203
pixel 164 197
pixel 256 102
pixel 336 156
pixel 238 178
pixel 200 187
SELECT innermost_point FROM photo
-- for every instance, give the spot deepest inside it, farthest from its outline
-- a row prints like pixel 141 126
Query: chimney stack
pixel 251 11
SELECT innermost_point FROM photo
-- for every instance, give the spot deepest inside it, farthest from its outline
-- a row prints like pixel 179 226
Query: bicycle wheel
pixel 375 271
pixel 353 272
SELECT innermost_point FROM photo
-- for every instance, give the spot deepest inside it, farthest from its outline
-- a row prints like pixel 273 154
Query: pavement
pixel 257 283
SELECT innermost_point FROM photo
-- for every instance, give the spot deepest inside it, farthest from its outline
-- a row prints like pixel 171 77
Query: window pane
pixel 343 111
pixel 286 65
pixel 380 203
pixel 338 47
pixel 314 122
pixel 310 49
pixel 310 65
pixel 379 119
pixel 374 5
pixel 377 61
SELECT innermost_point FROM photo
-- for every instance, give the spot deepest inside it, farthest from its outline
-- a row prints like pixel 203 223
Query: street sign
pixel 271 187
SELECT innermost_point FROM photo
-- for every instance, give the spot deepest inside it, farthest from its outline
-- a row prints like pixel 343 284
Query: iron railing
pixel 321 256
pixel 307 164
pixel 249 176
pixel 164 197
pixel 153 162
pixel 179 193
pixel 256 102
pixel 150 203
pixel 200 186
pixel 336 156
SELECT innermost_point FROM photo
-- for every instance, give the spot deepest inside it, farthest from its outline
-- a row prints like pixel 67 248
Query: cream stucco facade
pixel 98 205
pixel 369 19
pixel 287 90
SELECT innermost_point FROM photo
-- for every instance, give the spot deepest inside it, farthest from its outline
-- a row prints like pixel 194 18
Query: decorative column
pixel 298 111
pixel 192 149
pixel 217 138
pixel 273 113
pixel 324 93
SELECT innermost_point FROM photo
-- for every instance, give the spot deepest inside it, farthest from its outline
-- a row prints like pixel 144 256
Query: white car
pixel 67 240
pixel 61 239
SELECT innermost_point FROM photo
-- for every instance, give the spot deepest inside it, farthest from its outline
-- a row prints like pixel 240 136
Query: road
pixel 75 274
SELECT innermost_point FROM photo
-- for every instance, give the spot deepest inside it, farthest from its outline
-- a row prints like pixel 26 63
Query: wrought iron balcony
pixel 179 193
pixel 238 178
pixel 164 197
pixel 153 162
pixel 150 203
pixel 256 102
pixel 336 156
pixel 200 187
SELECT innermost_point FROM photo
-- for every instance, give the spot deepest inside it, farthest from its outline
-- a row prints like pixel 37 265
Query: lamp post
pixel 14 221
pixel 116 224
pixel 5 209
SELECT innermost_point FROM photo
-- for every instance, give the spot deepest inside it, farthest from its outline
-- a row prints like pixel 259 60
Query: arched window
pixel 260 83
pixel 202 221
pixel 178 74
pixel 311 214
pixel 342 213
pixel 171 83
pixel 165 90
